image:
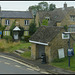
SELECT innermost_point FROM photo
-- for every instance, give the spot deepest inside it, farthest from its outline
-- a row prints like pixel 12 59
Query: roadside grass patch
pixel 63 63
pixel 12 46
pixel 26 54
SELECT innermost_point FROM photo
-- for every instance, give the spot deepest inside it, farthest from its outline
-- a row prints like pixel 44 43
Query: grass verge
pixel 63 63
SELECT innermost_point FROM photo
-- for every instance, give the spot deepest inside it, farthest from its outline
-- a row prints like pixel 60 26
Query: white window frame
pixel 71 29
pixel 48 18
pixel 26 22
pixel 7 22
pixel 6 33
pixel 26 33
pixel 72 18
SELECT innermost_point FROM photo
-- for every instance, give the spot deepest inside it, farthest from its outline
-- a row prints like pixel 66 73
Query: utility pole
pixel 69 48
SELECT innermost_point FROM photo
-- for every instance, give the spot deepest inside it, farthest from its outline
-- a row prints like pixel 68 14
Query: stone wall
pixel 18 22
pixel 34 51
pixel 58 43
pixel 67 20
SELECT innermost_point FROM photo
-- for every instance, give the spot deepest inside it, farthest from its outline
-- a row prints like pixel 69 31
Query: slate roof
pixel 16 14
pixel 45 34
pixel 56 15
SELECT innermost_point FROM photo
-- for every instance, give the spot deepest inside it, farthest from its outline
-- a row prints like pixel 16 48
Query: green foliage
pixel 2 27
pixel 43 5
pixel 12 27
pixel 7 38
pixel 26 38
pixel 39 24
pixel 26 54
pixel 66 27
pixel 21 31
pixel 45 22
pixel 32 28
pixel 59 60
pixel 52 7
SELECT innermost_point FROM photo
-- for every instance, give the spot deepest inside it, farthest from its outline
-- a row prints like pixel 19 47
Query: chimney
pixel 65 5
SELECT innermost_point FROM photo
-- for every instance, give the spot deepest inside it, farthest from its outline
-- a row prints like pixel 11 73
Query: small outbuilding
pixel 48 40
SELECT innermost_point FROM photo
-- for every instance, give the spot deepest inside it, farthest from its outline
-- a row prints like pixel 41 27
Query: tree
pixel 40 6
pixel 32 28
pixel 2 28
pixel 52 7
pixel 45 22
pixel 12 27
pixel 66 28
pixel 43 6
pixel 21 31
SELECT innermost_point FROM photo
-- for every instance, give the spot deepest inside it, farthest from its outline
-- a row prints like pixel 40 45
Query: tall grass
pixel 4 46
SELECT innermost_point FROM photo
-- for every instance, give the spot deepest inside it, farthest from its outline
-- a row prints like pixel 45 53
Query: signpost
pixel 66 35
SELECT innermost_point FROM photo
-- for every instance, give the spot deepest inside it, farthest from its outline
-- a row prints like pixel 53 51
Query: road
pixel 12 66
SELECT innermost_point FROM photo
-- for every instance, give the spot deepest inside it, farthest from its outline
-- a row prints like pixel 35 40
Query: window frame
pixel 7 22
pixel 26 22
pixel 48 18
pixel 72 18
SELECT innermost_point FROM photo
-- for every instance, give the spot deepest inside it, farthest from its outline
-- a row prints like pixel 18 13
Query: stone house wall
pixel 58 43
pixel 51 50
pixel 67 20
pixel 18 22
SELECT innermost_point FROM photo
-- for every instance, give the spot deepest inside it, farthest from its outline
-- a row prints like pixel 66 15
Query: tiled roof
pixel 45 34
pixel 56 15
pixel 16 14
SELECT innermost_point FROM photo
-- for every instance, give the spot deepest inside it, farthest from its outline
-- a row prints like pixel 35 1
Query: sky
pixel 24 5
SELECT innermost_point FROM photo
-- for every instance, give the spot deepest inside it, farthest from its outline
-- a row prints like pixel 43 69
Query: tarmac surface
pixel 38 64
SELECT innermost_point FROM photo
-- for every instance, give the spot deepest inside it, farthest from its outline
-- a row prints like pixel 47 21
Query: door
pixel 41 49
pixel 16 35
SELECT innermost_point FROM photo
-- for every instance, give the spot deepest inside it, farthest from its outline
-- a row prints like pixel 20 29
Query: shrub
pixel 8 38
pixel 32 28
pixel 26 38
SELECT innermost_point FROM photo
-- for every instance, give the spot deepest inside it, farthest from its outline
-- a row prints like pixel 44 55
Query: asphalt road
pixel 12 66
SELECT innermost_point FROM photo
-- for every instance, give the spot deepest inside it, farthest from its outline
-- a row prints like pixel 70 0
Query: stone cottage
pixel 48 39
pixel 22 18
pixel 58 17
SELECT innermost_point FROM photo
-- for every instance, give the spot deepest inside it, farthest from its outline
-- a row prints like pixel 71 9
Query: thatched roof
pixel 45 34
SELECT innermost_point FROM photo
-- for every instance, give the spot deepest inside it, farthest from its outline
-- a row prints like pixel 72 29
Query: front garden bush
pixel 8 38
pixel 26 38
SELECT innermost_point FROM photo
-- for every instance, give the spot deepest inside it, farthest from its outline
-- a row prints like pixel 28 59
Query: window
pixel 72 18
pixel 48 18
pixel 7 22
pixel 26 22
pixel 71 29
pixel 6 33
pixel 26 33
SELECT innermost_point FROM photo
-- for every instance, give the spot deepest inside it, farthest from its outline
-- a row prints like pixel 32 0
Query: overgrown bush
pixel 22 38
pixel 7 38
pixel 32 28
pixel 26 38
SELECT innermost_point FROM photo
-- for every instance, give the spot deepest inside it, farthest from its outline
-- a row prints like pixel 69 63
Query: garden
pixel 10 47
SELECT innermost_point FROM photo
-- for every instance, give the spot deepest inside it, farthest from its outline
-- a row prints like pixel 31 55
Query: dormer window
pixel 48 18
pixel 72 17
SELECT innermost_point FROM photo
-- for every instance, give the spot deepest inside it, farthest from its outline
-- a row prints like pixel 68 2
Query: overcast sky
pixel 23 5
